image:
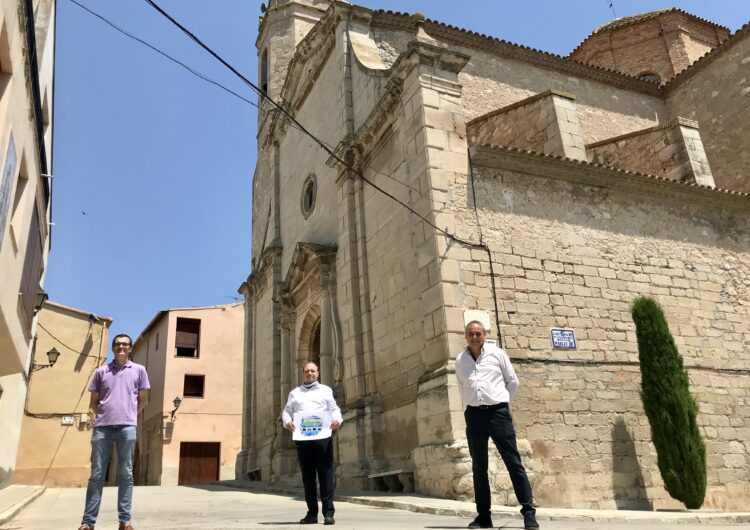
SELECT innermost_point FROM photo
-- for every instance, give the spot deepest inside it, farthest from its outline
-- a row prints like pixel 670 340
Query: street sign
pixel 563 339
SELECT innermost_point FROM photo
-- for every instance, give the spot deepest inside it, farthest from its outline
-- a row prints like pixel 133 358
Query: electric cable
pixel 166 55
pixel 331 152
pixel 303 129
pixel 48 332
pixel 212 81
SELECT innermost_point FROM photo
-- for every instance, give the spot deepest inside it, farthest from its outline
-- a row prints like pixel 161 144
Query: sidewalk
pixel 14 498
pixel 430 505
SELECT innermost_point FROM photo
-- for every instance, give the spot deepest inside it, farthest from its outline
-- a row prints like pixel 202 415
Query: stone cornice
pixel 560 168
pixel 315 48
pixel 353 149
pixel 673 123
pixel 257 278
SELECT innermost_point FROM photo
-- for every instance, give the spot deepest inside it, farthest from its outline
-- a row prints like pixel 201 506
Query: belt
pixel 488 407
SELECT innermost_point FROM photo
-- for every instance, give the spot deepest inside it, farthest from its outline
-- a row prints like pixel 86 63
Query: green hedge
pixel 671 410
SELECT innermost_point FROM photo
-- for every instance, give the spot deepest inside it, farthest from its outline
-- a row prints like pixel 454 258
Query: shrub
pixel 671 410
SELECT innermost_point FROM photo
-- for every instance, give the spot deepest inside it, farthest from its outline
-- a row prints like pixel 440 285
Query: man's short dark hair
pixel 120 336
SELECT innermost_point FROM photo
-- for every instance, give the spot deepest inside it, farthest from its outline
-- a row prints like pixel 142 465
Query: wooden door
pixel 199 462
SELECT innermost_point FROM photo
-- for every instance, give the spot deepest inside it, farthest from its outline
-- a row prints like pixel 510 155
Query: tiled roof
pixel 627 21
pixel 407 21
pixel 583 163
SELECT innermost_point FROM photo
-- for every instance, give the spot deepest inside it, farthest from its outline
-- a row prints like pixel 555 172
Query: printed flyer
pixel 309 426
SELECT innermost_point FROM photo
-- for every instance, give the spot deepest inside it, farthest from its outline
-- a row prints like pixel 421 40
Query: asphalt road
pixel 214 508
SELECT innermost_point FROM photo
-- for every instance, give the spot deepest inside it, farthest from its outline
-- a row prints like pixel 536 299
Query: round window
pixel 309 192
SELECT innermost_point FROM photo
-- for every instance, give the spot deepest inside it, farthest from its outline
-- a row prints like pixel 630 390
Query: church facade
pixel 475 178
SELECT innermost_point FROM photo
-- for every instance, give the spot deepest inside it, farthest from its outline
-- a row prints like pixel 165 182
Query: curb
pixel 551 514
pixel 9 512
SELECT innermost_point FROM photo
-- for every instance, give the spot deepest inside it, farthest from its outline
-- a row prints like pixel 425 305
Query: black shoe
pixel 309 519
pixel 480 523
pixel 529 521
pixel 328 519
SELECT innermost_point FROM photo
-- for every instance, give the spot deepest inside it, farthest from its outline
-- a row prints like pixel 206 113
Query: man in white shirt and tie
pixel 488 383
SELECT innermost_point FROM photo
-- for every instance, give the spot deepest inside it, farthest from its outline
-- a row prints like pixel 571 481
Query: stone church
pixel 477 178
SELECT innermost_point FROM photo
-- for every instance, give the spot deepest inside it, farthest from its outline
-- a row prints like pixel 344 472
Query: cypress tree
pixel 671 410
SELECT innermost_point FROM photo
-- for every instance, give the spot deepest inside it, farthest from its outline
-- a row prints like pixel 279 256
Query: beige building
pixel 27 44
pixel 55 444
pixel 193 355
pixel 540 192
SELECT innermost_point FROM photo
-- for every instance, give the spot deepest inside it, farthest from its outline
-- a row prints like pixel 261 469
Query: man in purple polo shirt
pixel 119 392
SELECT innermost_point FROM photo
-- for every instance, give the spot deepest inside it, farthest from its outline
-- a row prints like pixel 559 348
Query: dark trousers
pixel 316 457
pixel 496 423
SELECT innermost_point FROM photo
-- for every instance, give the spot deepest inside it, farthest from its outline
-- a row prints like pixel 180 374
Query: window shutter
pixel 32 268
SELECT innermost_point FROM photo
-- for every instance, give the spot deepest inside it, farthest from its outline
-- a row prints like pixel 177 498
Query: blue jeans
pixel 123 436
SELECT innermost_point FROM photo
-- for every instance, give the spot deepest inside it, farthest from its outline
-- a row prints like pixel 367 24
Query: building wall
pixel 492 82
pixel 50 453
pixel 402 288
pixel 578 263
pixel 717 105
pixel 19 192
pixel 213 418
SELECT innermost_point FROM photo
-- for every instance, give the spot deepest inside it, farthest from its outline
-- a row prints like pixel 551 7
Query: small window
pixel 309 193
pixel 264 71
pixel 188 337
pixel 193 386
pixel 650 77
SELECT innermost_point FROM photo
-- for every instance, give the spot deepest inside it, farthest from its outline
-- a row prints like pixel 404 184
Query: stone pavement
pixel 435 506
pixel 216 507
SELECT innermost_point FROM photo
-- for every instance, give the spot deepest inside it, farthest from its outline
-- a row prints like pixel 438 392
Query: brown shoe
pixel 126 526
pixel 85 527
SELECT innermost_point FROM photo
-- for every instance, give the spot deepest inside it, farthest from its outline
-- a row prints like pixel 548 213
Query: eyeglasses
pixel 475 334
pixel 121 345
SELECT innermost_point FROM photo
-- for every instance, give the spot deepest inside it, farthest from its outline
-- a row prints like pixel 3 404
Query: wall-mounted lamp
pixel 39 299
pixel 176 402
pixel 52 355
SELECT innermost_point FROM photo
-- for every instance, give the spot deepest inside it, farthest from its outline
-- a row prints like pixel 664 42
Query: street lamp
pixel 52 355
pixel 40 298
pixel 176 402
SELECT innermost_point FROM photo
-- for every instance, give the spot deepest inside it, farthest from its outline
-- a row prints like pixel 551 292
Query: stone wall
pixel 546 123
pixel 578 263
pixel 674 151
pixel 491 82
pixel 713 94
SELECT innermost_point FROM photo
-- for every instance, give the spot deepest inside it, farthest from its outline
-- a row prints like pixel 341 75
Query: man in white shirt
pixel 488 383
pixel 315 456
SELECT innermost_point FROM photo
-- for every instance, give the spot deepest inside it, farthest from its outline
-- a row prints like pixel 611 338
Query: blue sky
pixel 161 162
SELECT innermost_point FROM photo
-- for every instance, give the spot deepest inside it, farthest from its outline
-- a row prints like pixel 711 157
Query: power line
pixel 330 151
pixel 65 345
pixel 302 128
pixel 164 54
pixel 213 82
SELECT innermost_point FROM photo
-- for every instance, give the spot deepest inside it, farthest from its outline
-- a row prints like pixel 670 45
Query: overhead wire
pixel 332 154
pixel 212 81
pixel 303 129
pixel 296 124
